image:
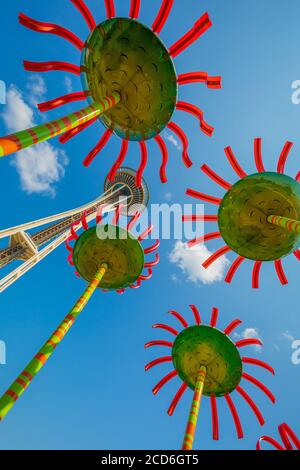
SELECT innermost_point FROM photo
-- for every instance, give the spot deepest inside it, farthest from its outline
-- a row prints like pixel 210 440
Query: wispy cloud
pixel 39 167
pixel 36 89
pixel 68 84
pixel 287 335
pixel 170 138
pixel 190 260
pixel 169 197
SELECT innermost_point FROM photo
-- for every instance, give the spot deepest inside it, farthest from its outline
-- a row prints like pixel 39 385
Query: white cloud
pixel 190 260
pixel 170 138
pixel 287 335
pixel 250 333
pixel 68 84
pixel 36 88
pixel 169 197
pixel 40 166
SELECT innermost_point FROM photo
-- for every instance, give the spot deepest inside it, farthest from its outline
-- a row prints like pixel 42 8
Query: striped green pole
pixel 23 139
pixel 21 383
pixel 194 413
pixel 289 224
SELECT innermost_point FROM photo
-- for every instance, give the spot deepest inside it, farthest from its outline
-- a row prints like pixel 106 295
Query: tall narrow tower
pixel 30 248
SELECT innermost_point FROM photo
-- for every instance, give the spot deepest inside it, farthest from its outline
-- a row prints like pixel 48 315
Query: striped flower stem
pixel 194 413
pixel 21 383
pixel 289 224
pixel 23 139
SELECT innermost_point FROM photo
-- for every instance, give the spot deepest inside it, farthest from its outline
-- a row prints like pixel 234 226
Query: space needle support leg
pixel 289 224
pixel 194 413
pixel 23 139
pixel 25 378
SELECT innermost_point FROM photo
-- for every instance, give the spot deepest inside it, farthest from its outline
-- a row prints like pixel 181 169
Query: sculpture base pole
pixel 25 378
pixel 194 413
pixel 289 224
pixel 23 139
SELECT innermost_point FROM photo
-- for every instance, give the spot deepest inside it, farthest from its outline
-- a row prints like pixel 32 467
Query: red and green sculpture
pixel 104 262
pixel 258 218
pixel 209 363
pixel 289 439
pixel 129 80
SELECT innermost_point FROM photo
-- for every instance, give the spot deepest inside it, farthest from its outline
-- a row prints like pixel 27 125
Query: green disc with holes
pixel 203 345
pixel 114 246
pixel 123 55
pixel 244 211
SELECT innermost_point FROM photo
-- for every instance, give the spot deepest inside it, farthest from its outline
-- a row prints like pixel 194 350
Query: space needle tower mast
pixel 30 243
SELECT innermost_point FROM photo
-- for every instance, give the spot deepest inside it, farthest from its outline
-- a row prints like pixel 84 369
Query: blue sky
pixel 94 393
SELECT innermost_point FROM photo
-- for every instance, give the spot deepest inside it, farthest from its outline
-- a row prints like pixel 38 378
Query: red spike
pixel 214 317
pixel 297 254
pixel 110 8
pixel 215 419
pixel 203 239
pixel 200 77
pixel 152 248
pixel 203 197
pixel 73 132
pixel 179 318
pixel 51 66
pixel 184 141
pixel 215 177
pixel 68 246
pixel 50 28
pixel 135 8
pixel 162 16
pixel 283 157
pixel 157 362
pixel 119 161
pixel 117 214
pixel 137 285
pixel 153 263
pixel 256 362
pixel 214 257
pixel 70 260
pixel 286 433
pixel 235 416
pixel 72 230
pixel 195 111
pixel 233 325
pixel 298 177
pixel 147 278
pixel 255 274
pixel 85 225
pixel 196 314
pixel 259 385
pixel 280 272
pixel 100 211
pixel 146 233
pixel 177 399
pixel 252 405
pixel 248 342
pixel 165 158
pixel 166 328
pixel 233 269
pixel 200 218
pixel 62 100
pixel 269 440
pixel 258 155
pixel 98 148
pixel 164 381
pixel 200 27
pixel 87 15
pixel 234 163
pixel 144 159
pixel 158 343
pixel 133 221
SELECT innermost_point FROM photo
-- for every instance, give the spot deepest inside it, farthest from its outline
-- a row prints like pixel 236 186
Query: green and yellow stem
pixel 23 139
pixel 25 378
pixel 194 413
pixel 289 224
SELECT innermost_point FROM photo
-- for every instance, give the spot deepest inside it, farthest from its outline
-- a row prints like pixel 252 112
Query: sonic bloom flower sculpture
pixel 258 218
pixel 289 439
pixel 129 79
pixel 208 362
pixel 106 263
